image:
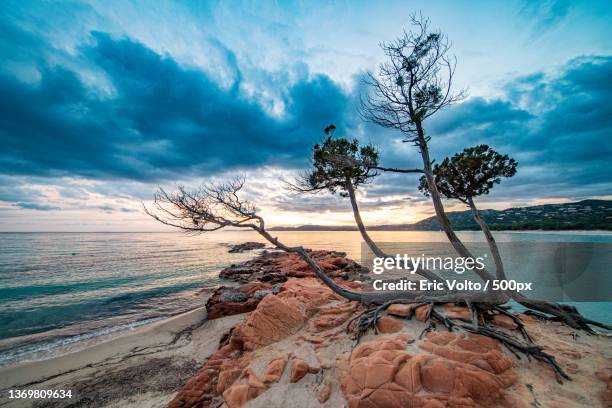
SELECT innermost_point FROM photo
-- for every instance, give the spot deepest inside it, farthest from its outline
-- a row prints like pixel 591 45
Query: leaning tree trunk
pixel 368 240
pixel 568 314
pixel 499 265
pixel 439 207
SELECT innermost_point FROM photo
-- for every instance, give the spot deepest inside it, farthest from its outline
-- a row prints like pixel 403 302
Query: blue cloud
pixel 561 124
pixel 117 110
pixel 546 13
pixel 36 206
pixel 161 119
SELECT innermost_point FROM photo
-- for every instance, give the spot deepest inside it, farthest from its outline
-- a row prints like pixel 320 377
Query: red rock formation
pixel 227 301
pixel 459 370
pixel 275 267
pixel 331 317
pixel 389 325
pixel 240 393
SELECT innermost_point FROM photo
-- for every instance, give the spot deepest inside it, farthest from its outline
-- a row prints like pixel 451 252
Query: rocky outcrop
pixel 266 273
pixel 277 267
pixel 246 246
pixel 226 374
pixel 456 370
pixel 293 349
pixel 388 324
pixel 229 300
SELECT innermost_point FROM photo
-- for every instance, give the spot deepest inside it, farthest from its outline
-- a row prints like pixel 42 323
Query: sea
pixel 61 292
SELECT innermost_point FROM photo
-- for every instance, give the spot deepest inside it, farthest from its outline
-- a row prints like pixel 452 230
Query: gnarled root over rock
pixel 477 319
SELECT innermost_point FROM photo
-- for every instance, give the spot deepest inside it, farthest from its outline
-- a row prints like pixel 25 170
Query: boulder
pixel 299 368
pixel 274 318
pixel 227 300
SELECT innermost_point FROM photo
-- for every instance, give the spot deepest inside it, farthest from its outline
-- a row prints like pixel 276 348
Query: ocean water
pixel 62 291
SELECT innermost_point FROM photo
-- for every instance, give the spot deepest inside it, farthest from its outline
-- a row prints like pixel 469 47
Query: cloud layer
pixel 96 122
pixel 157 120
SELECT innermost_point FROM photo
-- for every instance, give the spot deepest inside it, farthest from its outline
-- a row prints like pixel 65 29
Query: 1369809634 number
pixel 39 394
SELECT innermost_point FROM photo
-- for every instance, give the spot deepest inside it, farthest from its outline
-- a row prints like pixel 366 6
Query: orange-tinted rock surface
pixel 299 368
pixel 402 310
pixel 442 370
pixel 457 370
pixel 238 394
pixel 275 318
pixel 389 325
pixel 274 370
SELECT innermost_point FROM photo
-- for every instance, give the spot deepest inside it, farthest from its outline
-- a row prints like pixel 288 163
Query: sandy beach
pixel 141 368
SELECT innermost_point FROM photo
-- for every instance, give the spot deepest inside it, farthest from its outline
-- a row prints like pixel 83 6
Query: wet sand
pixel 141 368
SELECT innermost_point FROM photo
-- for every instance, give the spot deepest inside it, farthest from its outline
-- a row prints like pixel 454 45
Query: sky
pixel 104 101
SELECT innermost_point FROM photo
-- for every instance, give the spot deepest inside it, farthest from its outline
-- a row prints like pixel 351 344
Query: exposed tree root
pixel 480 313
pixel 559 312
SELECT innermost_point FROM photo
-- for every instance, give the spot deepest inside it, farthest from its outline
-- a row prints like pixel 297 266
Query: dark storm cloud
pixel 559 128
pixel 160 119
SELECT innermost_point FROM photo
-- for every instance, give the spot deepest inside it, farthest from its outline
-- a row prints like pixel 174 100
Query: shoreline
pixel 277 311
pixel 157 358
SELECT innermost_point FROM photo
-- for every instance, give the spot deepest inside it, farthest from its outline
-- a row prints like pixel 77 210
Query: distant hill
pixel 581 215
